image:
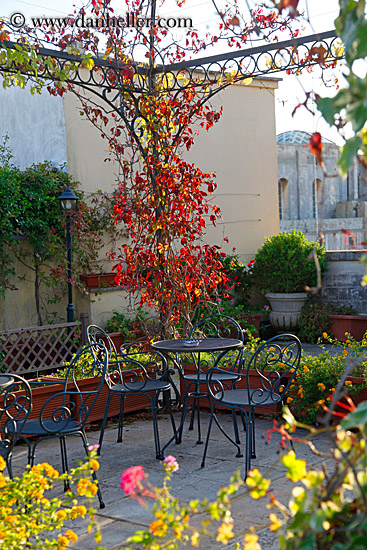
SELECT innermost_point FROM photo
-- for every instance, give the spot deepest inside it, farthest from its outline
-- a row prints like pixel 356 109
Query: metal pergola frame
pixel 293 55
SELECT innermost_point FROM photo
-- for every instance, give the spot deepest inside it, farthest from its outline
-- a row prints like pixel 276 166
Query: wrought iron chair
pixel 133 373
pixel 15 406
pixel 276 363
pixel 212 326
pixel 66 413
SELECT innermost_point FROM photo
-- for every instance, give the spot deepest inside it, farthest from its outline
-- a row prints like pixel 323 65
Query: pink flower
pixel 130 479
pixel 94 447
pixel 170 464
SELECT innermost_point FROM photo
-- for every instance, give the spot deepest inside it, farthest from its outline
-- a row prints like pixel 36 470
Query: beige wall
pixel 241 149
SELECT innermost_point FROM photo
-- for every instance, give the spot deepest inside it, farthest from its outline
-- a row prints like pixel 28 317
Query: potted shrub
pixel 282 269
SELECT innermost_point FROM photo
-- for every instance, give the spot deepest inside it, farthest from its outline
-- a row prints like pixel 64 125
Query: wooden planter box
pixel 254 383
pixel 355 325
pixel 99 280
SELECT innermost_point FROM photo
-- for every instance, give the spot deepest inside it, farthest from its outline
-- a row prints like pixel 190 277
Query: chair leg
pixel 172 421
pixel 64 462
pixel 248 451
pixel 158 453
pixel 121 419
pixel 94 475
pixel 9 465
pixel 183 416
pixel 104 422
pixel 207 437
pixel 253 450
pixel 235 427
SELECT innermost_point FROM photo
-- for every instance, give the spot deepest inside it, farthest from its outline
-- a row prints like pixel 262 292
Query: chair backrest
pixel 136 369
pixel 15 407
pixel 220 326
pixel 84 379
pixel 275 363
pixel 96 335
pixel 268 375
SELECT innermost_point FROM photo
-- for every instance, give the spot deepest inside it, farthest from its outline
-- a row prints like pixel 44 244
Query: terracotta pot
pixel 355 325
pixel 99 280
pixel 254 383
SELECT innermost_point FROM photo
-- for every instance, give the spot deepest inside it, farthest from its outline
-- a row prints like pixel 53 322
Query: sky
pixel 322 14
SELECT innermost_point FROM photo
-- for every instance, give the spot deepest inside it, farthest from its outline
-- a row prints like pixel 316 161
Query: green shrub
pixel 284 263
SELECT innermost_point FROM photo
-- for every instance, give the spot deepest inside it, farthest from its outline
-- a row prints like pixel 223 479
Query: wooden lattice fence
pixel 37 349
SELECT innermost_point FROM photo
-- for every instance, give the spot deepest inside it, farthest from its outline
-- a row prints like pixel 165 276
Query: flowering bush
pixel 27 514
pixel 171 527
pixel 317 378
pixel 326 509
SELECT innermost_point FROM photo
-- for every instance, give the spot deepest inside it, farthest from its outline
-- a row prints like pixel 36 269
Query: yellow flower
pixel 321 386
pixel 61 514
pixel 63 540
pixel 324 334
pixel 2 464
pixel 348 383
pixel 94 464
pixel 251 542
pixel 158 528
pixel 289 399
pixel 275 523
pixel 225 532
pixel 195 539
pixel 345 352
pixel 71 535
pixel 305 369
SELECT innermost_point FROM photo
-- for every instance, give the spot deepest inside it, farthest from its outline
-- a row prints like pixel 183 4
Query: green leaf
pixel 357 418
pixel 349 152
pixel 326 106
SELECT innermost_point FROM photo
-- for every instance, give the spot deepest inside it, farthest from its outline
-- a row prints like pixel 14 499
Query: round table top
pixel 5 380
pixel 205 344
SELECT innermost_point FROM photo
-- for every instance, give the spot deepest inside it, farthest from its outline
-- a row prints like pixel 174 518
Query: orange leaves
pixel 317 54
pixel 316 146
pixel 290 5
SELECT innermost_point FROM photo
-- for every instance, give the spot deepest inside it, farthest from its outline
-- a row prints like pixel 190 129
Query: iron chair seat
pixel 241 398
pixel 66 413
pixel 149 386
pixel 273 382
pixel 36 428
pixel 212 326
pixel 15 407
pixel 151 381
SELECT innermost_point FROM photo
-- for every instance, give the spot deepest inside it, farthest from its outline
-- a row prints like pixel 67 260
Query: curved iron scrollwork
pixel 220 70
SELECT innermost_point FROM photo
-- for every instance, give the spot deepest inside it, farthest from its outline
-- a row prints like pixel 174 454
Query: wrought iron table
pixel 5 380
pixel 172 350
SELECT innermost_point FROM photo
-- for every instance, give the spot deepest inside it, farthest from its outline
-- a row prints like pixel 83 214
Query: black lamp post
pixel 68 201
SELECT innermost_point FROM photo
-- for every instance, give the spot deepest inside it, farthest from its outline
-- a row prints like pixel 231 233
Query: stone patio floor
pixel 122 515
